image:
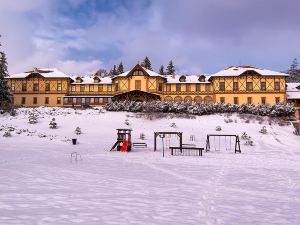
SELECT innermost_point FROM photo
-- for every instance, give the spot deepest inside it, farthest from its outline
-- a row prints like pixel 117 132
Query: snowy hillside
pixel 40 185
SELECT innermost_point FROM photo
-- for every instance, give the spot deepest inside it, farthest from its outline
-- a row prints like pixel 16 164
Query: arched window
pixel 188 99
pixel 178 99
pixel 197 99
pixel 168 99
pixel 208 99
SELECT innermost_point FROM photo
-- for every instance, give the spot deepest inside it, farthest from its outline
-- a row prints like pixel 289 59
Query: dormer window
pixel 78 80
pixel 96 79
pixel 182 79
pixel 138 73
pixel 202 78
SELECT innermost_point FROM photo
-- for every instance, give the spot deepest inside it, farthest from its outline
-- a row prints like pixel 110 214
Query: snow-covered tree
pixel 147 63
pixel 5 96
pixel 162 70
pixel 78 131
pixel 120 68
pixel 53 124
pixel 32 119
pixel 170 68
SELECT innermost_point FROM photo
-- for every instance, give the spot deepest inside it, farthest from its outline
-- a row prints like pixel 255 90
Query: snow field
pixel 39 184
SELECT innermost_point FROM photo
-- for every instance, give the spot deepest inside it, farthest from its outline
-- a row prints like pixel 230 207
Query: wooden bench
pixel 188 145
pixel 139 144
pixel 187 151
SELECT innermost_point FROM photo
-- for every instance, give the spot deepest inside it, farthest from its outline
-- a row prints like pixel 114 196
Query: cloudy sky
pixel 200 36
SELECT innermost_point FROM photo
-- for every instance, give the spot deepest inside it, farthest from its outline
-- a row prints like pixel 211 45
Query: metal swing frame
pixel 237 147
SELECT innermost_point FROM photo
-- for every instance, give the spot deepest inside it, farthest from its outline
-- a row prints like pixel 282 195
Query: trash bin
pixel 74 141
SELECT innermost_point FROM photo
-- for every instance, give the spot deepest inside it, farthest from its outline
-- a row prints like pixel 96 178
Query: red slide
pixel 124 146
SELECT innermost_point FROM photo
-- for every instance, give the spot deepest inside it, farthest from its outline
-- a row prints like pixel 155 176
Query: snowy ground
pixel 39 184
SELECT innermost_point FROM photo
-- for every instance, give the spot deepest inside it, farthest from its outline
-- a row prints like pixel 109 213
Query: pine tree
pixel 162 70
pixel 4 90
pixel 146 63
pixel 120 68
pixel 170 68
pixel 113 71
pixel 294 72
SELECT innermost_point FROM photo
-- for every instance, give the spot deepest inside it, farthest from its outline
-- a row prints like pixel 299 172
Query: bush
pixel 278 110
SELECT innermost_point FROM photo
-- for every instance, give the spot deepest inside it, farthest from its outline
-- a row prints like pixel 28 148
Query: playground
pixel 46 179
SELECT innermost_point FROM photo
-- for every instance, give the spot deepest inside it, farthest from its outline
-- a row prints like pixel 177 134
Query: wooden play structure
pixel 224 139
pixel 123 143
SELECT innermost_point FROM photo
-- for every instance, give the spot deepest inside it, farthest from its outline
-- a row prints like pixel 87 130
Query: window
pixel 87 100
pixel 236 100
pixel 116 87
pixel 23 100
pixel 100 87
pixel 263 86
pixel 249 86
pixel 249 100
pixel 207 87
pixel 13 87
pixel 168 87
pixel 197 87
pixel 35 87
pixel 277 100
pixel 34 100
pixel 187 87
pixel 277 86
pixel 263 100
pixel 58 100
pixel 70 100
pixel 73 88
pixel 160 86
pixel 59 87
pixel 105 100
pixel 178 87
pixel 47 87
pixel 24 87
pixel 235 86
pixel 138 72
pixel 96 100
pixel 91 88
pixel 46 100
pixel 81 88
pixel 109 87
pixel 78 100
pixel 222 86
pixel 66 100
pixel 222 99
pixel 138 84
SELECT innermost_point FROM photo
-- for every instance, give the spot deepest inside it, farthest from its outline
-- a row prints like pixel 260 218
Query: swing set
pixel 215 141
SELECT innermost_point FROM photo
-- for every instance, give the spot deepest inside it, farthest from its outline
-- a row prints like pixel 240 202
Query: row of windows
pixel 35 100
pixel 86 100
pixel 249 100
pixel 36 87
pixel 92 88
pixel 187 87
pixel 249 86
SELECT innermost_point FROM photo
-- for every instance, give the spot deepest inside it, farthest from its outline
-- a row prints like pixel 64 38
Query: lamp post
pixel 162 136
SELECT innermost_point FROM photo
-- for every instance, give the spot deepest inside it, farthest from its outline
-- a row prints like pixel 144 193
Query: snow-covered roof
pixel 149 72
pixel 45 72
pixel 293 91
pixel 239 70
pixel 173 79
pixel 91 80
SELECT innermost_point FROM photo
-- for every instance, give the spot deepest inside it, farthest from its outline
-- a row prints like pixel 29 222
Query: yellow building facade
pixel 235 85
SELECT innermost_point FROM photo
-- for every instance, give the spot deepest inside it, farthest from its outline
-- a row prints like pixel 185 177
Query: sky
pixel 82 36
